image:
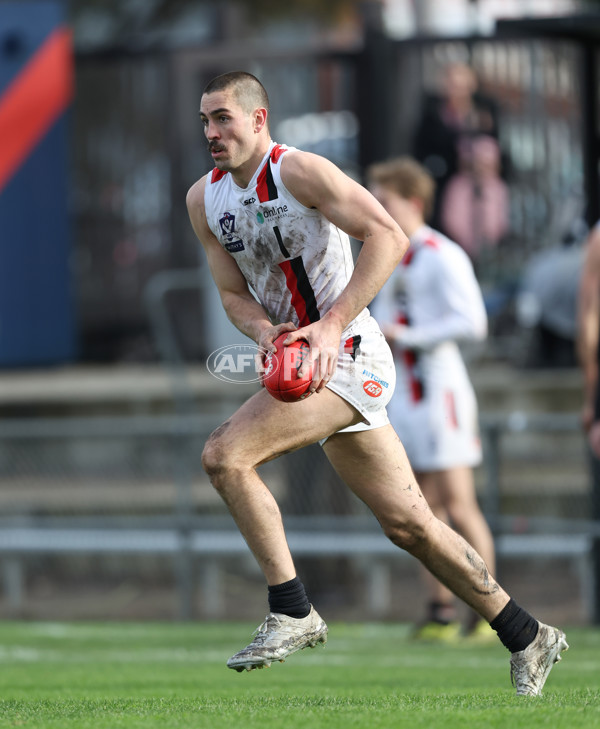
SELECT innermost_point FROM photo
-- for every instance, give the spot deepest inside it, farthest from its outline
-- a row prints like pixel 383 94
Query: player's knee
pixel 215 455
pixel 409 535
pixel 210 458
pixel 222 462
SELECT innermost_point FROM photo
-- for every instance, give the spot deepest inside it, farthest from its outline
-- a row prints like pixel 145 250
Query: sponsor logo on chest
pixel 275 212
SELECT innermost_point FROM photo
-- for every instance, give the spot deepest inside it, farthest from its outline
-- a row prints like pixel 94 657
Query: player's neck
pixel 245 172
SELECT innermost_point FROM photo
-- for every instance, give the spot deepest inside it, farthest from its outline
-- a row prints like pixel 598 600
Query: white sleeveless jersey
pixel 294 259
pixel 434 292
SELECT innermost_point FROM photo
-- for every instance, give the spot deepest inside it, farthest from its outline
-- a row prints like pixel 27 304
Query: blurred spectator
pixel 456 114
pixel 475 205
pixel 546 305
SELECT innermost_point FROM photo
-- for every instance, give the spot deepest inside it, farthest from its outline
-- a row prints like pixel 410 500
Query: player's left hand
pixel 324 337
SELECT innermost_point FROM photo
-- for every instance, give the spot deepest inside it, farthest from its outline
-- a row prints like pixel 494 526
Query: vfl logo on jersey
pixel 372 388
pixel 233 244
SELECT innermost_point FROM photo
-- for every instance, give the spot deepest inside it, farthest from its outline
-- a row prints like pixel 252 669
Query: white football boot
pixel 277 638
pixel 530 667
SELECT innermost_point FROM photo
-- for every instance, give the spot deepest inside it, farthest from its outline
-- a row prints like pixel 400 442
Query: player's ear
pixel 260 120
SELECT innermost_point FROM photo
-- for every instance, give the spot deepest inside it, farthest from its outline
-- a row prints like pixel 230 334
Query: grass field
pixel 121 676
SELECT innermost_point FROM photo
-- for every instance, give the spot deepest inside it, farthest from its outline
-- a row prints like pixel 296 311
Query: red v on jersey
pixel 265 185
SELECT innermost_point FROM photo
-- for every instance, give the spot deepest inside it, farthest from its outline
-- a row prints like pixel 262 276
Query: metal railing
pixel 188 525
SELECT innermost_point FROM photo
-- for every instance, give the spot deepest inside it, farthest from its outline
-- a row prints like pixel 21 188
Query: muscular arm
pixel 588 323
pixel 317 183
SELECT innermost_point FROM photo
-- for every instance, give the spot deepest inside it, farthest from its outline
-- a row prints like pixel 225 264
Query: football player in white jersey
pixel 430 303
pixel 348 354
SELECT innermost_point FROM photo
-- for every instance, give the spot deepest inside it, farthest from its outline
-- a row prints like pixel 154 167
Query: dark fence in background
pixel 100 513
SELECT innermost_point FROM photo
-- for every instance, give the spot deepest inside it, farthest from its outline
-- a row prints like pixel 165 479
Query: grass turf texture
pixel 113 676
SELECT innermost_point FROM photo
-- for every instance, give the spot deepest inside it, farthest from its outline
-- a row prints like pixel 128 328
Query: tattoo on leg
pixel 490 586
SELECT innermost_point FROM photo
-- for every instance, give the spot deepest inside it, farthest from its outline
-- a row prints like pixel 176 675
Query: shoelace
pixel 261 632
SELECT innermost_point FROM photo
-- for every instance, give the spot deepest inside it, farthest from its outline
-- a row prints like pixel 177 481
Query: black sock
pixel 289 598
pixel 516 628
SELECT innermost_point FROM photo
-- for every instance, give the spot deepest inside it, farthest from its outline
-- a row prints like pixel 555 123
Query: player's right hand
pixel 265 342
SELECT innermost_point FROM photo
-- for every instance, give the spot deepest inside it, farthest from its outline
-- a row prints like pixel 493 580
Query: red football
pixel 281 370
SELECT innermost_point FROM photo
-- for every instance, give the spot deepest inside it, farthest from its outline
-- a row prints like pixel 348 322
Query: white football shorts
pixel 365 375
pixel 441 430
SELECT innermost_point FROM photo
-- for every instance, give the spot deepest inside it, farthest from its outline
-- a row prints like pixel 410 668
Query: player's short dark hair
pixel 248 90
pixel 408 178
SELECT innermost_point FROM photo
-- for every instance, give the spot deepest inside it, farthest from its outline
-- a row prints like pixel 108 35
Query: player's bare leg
pixel 440 623
pixel 452 497
pixel 457 486
pixel 457 489
pixel 262 429
pixel 374 464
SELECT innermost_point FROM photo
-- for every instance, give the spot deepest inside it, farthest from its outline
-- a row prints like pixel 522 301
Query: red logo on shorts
pixel 372 388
